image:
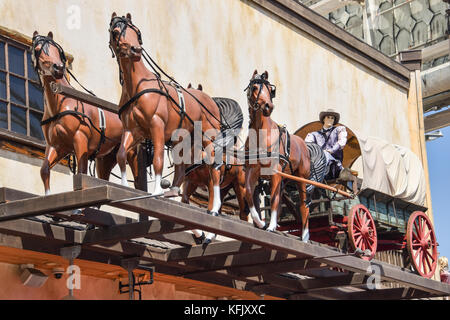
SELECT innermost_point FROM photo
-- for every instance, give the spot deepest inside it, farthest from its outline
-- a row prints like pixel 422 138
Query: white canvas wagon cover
pixel 393 170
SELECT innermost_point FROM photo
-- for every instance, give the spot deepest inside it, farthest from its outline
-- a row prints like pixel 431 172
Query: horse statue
pixel 290 153
pixel 232 176
pixel 71 126
pixel 155 109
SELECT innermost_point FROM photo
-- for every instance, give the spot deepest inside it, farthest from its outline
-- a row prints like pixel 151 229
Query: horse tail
pixel 231 121
pixel 318 164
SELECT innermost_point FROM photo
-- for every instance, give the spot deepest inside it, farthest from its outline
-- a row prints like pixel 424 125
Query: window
pixel 21 96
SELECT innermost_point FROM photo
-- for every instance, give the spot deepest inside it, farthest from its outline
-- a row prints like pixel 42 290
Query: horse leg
pixel 239 190
pixel 52 157
pixel 125 145
pixel 188 190
pixel 251 179
pixel 274 200
pixel 132 158
pixel 157 134
pixel 304 211
pixel 178 178
pixel 80 144
pixel 105 165
pixel 214 194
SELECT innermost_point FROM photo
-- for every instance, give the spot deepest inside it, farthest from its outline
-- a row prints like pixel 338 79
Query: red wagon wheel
pixel 421 244
pixel 362 232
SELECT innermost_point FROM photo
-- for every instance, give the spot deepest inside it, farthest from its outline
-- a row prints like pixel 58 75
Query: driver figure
pixel 332 139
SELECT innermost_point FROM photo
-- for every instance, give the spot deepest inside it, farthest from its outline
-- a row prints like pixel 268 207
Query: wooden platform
pixel 257 261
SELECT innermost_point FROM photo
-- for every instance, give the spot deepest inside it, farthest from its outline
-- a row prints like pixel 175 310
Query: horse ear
pixel 35 33
pixel 189 85
pixel 200 87
pixel 50 35
pixel 114 15
pixel 265 75
pixel 255 73
pixel 129 17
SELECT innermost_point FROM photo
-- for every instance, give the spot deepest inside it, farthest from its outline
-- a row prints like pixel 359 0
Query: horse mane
pixel 230 113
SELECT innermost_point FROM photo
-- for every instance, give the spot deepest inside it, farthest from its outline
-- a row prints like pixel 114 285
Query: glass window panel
pixel 35 125
pixel 18 119
pixel 36 96
pixel 3 85
pixel 2 56
pixel 17 90
pixel 3 115
pixel 15 57
pixel 31 72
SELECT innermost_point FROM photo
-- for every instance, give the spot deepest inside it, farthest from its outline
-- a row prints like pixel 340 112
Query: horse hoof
pixel 213 213
pixel 172 193
pixel 77 212
pixel 199 240
pixel 90 227
pixel 207 241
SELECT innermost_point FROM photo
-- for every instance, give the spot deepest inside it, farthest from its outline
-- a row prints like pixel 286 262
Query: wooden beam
pixel 35 229
pixel 306 285
pixel 131 231
pixel 167 209
pixel 437 120
pixel 213 250
pixel 53 203
pixel 70 92
pixel 378 294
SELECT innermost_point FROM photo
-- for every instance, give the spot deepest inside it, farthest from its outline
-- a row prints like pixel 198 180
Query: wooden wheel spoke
pixel 420 260
pixel 430 255
pixel 417 252
pixel 427 235
pixel 428 260
pixel 415 236
pixel 356 220
pixel 367 243
pixel 421 225
pixel 358 240
pixel 417 230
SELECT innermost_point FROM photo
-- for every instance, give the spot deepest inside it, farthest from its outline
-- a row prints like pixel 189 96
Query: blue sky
pixel 438 152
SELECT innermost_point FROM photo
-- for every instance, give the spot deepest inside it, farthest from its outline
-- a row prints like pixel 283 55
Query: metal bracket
pixel 70 253
pixel 130 264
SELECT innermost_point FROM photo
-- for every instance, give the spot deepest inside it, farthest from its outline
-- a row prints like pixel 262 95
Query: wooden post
pixel 142 174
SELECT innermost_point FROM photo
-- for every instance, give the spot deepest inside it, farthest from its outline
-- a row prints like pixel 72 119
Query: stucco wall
pixel 90 288
pixel 219 44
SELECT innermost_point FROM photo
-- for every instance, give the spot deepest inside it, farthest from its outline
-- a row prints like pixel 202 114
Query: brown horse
pixel 232 177
pixel 154 109
pixel 70 126
pixel 290 149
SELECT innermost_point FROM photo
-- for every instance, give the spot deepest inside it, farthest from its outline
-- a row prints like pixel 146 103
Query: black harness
pixel 262 81
pixel 123 23
pixel 45 42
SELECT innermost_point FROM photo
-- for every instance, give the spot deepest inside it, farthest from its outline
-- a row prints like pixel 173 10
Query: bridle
pixel 262 82
pixel 122 23
pixel 42 40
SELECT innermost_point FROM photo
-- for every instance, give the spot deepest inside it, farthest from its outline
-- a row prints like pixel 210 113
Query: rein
pixel 46 41
pixel 123 24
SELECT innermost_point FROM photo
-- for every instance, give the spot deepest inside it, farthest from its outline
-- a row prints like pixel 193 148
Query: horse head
pixel 48 57
pixel 122 43
pixel 260 94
